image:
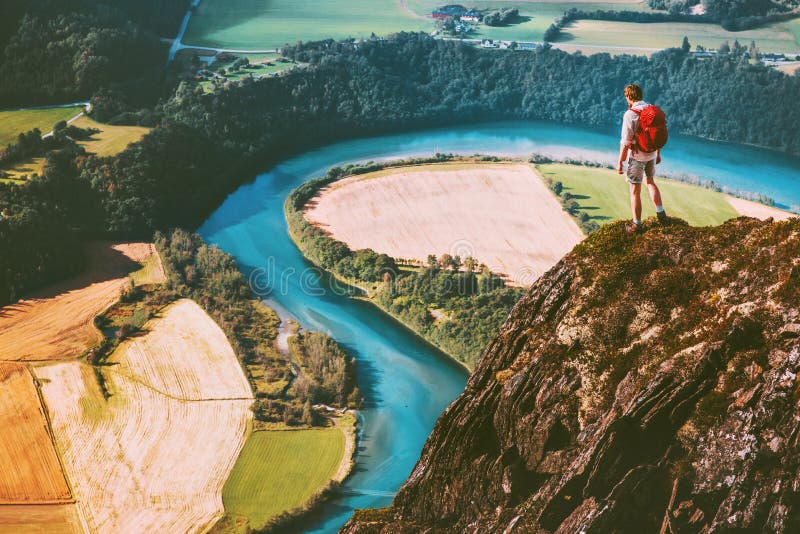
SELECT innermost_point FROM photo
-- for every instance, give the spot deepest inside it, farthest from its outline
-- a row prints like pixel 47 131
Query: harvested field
pixel 57 322
pixel 184 355
pixel 40 519
pixel 29 468
pixel 757 210
pixel 142 460
pixel 458 209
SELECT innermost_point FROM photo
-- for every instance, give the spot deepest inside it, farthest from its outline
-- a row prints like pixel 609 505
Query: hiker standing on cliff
pixel 644 132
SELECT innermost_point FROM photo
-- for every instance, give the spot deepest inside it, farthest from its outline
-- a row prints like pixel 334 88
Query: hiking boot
pixel 662 217
pixel 633 228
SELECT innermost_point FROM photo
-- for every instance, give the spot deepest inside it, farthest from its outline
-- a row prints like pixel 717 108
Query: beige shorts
pixel 637 170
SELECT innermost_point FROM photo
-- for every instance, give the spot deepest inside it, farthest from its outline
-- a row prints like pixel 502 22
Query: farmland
pixel 40 519
pixel 254 24
pixel 57 322
pixel 457 209
pixel 184 355
pixel 141 459
pixel 776 37
pixel 603 194
pixel 111 139
pixel 12 123
pixel 29 468
pixel 281 470
pixel 250 24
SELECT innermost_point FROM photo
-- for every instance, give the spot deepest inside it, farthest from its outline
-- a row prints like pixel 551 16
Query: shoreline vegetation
pixel 468 306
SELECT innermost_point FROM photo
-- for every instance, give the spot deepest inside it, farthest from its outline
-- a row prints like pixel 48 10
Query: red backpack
pixel 652 133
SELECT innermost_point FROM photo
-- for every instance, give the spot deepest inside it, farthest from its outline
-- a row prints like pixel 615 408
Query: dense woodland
pixel 52 51
pixel 208 144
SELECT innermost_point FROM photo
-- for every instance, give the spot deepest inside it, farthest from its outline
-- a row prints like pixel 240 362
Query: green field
pixel 603 194
pixel 110 139
pixel 256 25
pixel 259 25
pixel 535 16
pixel 12 123
pixel 777 37
pixel 279 470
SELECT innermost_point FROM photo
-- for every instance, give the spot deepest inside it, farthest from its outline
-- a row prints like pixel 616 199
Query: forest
pixel 55 51
pixel 206 145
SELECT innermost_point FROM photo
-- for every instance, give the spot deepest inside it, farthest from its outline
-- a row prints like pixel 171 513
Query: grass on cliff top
pixel 279 471
pixel 603 194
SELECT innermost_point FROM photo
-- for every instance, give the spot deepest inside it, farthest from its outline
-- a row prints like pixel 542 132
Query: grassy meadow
pixel 111 139
pixel 777 37
pixel 256 25
pixel 535 17
pixel 603 194
pixel 22 171
pixel 259 25
pixel 12 123
pixel 278 471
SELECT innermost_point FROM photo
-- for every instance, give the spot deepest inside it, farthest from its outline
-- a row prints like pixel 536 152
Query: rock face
pixel 646 383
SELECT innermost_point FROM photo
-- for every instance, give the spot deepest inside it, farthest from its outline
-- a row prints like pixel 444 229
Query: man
pixel 640 163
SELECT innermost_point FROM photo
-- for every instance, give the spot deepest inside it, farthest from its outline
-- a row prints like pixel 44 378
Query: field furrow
pixel 57 322
pixel 29 468
pixel 142 458
pixel 184 355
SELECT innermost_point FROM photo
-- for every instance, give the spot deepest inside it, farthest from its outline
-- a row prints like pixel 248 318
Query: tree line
pixel 53 51
pixel 205 145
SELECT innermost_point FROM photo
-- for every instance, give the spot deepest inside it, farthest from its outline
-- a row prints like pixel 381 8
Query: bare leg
pixel 636 201
pixel 655 194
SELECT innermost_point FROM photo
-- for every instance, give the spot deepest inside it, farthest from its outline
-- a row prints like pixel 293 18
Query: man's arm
pixel 623 155
pixel 658 156
pixel 626 139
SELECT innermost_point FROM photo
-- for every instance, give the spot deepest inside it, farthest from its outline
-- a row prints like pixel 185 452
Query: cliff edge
pixel 646 383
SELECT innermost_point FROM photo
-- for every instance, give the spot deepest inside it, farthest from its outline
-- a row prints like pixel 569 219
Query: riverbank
pixel 457 311
pixel 284 476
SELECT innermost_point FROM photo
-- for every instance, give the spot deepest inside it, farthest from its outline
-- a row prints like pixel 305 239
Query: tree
pixel 686 46
pixel 445 260
pixel 470 264
pixel 432 261
pixel 308 414
pixel 724 48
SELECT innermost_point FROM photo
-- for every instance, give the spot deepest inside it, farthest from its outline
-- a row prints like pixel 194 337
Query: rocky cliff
pixel 646 383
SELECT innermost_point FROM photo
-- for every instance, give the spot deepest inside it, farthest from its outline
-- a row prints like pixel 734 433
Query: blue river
pixel 406 383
